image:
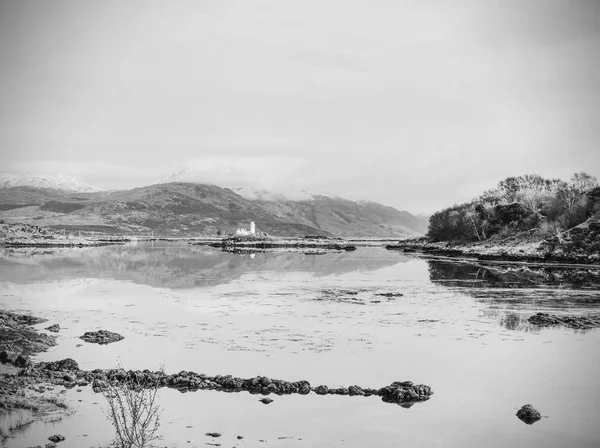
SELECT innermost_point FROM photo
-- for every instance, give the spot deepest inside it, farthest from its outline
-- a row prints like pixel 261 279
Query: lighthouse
pixel 252 228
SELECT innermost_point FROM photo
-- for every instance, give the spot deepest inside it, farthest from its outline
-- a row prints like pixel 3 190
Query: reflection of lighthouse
pixel 252 228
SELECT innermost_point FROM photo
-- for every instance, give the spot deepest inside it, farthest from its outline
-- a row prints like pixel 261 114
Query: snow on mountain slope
pixel 64 182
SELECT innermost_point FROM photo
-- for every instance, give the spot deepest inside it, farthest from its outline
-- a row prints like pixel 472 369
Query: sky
pixel 416 104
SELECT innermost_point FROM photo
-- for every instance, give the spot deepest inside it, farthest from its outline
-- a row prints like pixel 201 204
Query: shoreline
pixel 525 253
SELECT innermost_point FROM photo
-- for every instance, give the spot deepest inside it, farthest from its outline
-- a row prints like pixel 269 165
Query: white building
pixel 243 231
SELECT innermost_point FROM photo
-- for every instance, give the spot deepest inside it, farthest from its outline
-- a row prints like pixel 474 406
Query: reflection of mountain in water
pixel 512 293
pixel 179 265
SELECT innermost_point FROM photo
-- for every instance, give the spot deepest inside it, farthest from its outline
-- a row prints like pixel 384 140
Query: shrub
pixel 134 412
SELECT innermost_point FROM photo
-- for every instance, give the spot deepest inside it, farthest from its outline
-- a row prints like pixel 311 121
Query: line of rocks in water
pixel 66 372
pixel 570 321
pixel 403 393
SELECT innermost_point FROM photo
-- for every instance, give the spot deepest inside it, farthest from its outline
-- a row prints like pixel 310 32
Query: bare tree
pixel 134 412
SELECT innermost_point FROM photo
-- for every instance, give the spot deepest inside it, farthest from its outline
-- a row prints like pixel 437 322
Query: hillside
pixel 195 209
pixel 552 216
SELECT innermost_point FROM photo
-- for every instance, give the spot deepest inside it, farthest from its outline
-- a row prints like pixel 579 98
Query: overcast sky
pixel 415 104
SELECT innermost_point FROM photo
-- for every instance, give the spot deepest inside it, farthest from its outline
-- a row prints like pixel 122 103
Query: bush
pixel 134 412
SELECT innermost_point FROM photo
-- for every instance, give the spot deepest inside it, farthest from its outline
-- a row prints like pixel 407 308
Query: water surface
pixel 460 327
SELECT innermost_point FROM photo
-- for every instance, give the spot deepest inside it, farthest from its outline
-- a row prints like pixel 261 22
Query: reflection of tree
pixel 476 274
pixel 511 293
pixel 511 320
pixel 183 266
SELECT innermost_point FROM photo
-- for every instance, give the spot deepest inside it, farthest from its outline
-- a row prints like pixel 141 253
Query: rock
pixel 63 364
pixel 355 390
pixel 213 434
pixel 50 445
pixel 404 393
pixel 56 438
pixel 101 337
pixel 53 328
pixel 321 390
pixel 570 321
pixel 240 437
pixel 68 377
pixel 266 400
pixel 22 361
pixel 528 414
pixel 100 386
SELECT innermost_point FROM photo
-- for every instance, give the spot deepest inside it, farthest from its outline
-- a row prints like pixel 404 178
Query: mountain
pixel 62 182
pixel 197 209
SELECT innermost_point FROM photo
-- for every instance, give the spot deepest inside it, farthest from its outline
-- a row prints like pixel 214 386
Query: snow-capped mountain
pixel 240 181
pixel 63 182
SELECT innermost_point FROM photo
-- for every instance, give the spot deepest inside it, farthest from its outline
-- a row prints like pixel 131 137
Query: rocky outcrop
pixel 506 214
pixel 539 252
pixel 575 322
pixel 528 414
pixel 101 337
pixel 18 338
pixel 53 328
pixel 66 364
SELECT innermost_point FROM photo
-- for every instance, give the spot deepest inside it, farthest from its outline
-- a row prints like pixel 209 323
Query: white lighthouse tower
pixel 252 228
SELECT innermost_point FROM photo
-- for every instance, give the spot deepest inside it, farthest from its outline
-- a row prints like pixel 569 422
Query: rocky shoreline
pixel 27 236
pixel 569 321
pixel 19 373
pixel 529 253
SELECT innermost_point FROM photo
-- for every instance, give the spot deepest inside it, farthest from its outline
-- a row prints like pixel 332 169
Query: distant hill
pixel 62 182
pixel 194 209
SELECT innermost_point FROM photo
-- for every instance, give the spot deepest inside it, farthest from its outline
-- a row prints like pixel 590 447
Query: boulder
pixel 506 214
pixel 528 414
pixel 321 390
pixel 56 438
pixel 101 337
pixel 63 364
pixel 53 328
pixel 266 401
pixel 404 392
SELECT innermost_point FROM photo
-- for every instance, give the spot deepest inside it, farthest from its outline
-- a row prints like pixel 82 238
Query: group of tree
pixel 523 203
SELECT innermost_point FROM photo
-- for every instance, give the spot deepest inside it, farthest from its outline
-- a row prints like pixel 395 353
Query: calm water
pixel 459 327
